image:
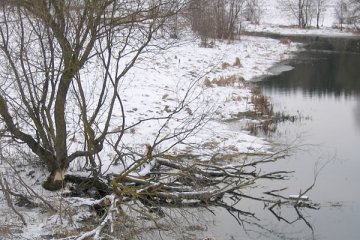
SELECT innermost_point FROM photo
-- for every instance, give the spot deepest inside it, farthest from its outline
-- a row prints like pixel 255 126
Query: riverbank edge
pixel 348 43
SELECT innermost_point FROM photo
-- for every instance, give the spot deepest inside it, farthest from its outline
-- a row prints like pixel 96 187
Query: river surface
pixel 324 90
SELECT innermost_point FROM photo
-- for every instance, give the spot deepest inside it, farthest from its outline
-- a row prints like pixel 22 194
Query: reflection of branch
pixel 232 209
pixel 296 204
pixel 299 214
pixel 304 219
pixel 279 218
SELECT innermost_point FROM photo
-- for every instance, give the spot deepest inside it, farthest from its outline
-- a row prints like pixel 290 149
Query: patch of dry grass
pixel 266 127
pixel 225 65
pixel 237 62
pixel 207 82
pixel 285 41
pixel 225 81
pixel 262 104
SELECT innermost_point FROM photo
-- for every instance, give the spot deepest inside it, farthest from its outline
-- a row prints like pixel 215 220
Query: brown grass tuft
pixel 225 65
pixel 237 62
pixel 225 81
pixel 207 82
pixel 236 98
pixel 285 41
pixel 262 105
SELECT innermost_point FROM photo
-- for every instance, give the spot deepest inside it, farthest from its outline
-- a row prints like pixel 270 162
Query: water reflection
pixel 321 74
pixel 357 113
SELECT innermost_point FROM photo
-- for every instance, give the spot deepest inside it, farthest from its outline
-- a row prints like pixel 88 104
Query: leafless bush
pixel 215 18
pixel 253 11
pixel 348 12
pixel 304 11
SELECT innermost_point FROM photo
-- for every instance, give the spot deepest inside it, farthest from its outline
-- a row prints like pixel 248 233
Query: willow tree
pixel 61 65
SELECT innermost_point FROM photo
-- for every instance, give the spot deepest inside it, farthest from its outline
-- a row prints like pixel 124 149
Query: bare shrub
pixel 236 98
pixel 206 43
pixel 301 10
pixel 215 18
pixel 253 11
pixel 348 12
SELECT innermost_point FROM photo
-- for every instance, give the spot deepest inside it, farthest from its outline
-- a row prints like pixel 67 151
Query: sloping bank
pixel 218 78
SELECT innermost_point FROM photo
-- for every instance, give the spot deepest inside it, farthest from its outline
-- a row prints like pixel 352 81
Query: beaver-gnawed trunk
pixel 55 181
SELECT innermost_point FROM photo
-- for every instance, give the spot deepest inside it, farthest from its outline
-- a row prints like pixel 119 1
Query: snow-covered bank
pixel 155 87
pixel 291 30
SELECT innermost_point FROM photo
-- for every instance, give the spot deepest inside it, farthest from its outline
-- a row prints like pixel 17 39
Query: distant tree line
pixel 348 12
pixel 311 12
pixel 305 11
pixel 221 19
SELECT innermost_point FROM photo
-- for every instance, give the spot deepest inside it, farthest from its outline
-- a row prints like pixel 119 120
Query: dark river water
pixel 324 90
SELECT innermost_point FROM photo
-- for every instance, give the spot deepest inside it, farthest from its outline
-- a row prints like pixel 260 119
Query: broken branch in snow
pixel 112 202
pixel 183 183
pixel 27 188
pixel 6 191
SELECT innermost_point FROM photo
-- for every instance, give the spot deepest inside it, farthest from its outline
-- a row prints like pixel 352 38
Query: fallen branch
pixel 109 218
pixel 29 189
pixel 5 189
